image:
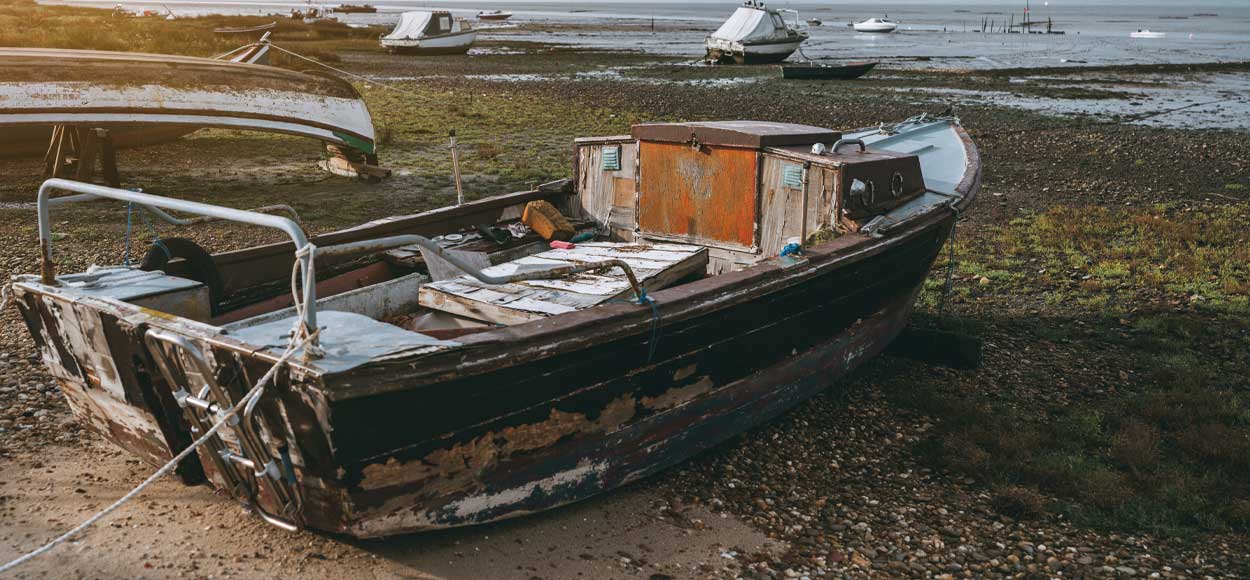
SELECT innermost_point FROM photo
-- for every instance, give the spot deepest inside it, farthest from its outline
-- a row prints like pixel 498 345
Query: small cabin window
pixel 444 23
pixel 611 158
pixel 778 22
pixel 792 176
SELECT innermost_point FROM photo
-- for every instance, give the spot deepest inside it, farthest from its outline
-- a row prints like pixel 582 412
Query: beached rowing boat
pixel 738 269
pixel 149 98
pixel 850 70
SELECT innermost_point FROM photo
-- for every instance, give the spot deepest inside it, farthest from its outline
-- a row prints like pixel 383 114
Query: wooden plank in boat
pixel 656 266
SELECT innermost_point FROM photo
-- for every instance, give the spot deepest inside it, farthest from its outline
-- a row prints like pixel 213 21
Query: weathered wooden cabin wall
pixel 604 194
pixel 787 211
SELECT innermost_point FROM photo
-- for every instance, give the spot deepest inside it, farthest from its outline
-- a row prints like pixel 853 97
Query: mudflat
pixel 1106 267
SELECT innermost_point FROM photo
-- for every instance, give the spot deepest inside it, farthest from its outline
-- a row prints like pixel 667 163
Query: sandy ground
pixel 173 531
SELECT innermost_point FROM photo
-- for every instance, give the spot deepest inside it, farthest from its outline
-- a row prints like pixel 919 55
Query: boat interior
pixel 662 207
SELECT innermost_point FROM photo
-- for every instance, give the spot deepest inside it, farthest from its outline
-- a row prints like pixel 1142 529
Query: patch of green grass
pixel 1168 455
pixel 1128 253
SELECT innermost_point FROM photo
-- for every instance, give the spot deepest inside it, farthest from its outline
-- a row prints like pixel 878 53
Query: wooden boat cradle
pixel 143 362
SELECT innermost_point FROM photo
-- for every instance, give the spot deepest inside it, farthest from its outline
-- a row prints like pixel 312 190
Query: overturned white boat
pixel 26 140
pixel 422 32
pixel 876 25
pixel 755 34
pixel 138 99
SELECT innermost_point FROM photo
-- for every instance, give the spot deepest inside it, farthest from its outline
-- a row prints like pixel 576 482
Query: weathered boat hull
pixel 539 433
pixel 564 428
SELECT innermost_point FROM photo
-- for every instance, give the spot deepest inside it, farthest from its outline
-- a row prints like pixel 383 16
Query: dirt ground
pixel 876 478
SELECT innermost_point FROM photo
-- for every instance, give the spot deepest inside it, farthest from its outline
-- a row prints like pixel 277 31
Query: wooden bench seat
pixel 656 266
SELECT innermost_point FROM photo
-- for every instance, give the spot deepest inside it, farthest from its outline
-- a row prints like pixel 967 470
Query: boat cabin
pixel 742 189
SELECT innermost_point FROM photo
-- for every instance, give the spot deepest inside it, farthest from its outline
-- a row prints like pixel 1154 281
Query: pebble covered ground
pixel 838 483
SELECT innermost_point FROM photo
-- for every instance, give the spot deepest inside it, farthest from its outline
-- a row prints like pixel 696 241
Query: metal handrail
pixel 91 191
pixel 841 142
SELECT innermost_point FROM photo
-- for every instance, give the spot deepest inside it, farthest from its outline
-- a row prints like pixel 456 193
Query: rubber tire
pixel 200 265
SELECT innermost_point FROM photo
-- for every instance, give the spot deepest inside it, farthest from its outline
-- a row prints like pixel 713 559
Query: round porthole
pixel 896 184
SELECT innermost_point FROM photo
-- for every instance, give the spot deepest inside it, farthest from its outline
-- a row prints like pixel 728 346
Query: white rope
pixel 345 73
pixel 255 393
pixel 5 297
pixel 232 52
pixel 308 277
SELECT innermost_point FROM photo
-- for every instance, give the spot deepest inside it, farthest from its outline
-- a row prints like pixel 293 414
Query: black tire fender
pixel 200 265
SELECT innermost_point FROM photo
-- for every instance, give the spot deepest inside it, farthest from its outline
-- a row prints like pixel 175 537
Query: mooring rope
pixel 254 393
pixel 345 73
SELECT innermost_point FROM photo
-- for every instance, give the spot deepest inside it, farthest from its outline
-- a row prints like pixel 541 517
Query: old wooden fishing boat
pixel 143 99
pixel 445 377
pixel 814 71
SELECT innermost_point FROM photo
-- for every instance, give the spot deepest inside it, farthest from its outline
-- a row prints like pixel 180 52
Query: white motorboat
pixel 1145 33
pixel 423 32
pixel 755 34
pixel 496 15
pixel 876 25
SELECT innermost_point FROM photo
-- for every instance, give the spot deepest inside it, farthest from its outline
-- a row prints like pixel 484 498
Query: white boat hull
pixel 876 28
pixel 752 53
pixel 1148 34
pixel 455 43
pixel 45 87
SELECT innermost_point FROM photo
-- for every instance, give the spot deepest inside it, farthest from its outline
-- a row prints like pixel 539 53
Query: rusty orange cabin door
pixel 705 195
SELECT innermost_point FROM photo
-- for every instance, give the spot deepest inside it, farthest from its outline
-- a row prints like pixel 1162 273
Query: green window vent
pixel 792 176
pixel 612 158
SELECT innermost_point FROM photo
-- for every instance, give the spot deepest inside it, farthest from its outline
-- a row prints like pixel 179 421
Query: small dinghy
pixel 876 26
pixel 813 71
pixel 422 32
pixel 755 34
pixel 1147 34
pixel 427 376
